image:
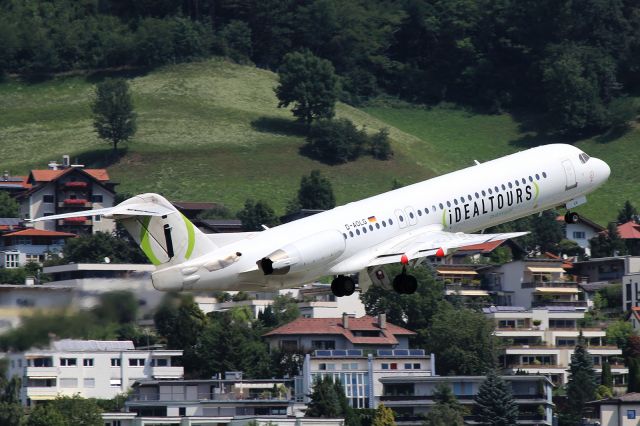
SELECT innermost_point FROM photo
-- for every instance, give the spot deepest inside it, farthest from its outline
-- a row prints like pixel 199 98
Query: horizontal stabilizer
pixel 126 210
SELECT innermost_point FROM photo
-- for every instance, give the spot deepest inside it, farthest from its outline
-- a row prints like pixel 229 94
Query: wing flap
pixel 427 244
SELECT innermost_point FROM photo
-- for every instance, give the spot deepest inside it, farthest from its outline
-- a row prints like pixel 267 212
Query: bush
pixel 379 145
pixel 335 141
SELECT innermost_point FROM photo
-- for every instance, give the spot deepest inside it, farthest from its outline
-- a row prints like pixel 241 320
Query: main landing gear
pixel 405 283
pixel 343 286
pixel 571 217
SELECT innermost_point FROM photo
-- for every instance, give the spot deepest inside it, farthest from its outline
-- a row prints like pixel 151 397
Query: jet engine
pixel 304 254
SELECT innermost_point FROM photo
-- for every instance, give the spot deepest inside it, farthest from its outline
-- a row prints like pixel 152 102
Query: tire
pixel 412 284
pixel 337 288
pixel 399 284
pixel 571 217
pixel 348 286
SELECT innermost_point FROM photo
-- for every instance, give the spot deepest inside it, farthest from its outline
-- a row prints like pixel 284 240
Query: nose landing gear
pixel 571 217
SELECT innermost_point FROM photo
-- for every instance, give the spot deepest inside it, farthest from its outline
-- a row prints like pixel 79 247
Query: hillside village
pixel 537 308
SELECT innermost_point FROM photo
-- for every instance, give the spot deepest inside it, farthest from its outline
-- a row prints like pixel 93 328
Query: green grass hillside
pixel 211 131
pixel 207 131
pixel 452 139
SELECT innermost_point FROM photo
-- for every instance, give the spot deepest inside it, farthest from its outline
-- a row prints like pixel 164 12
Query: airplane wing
pixel 141 209
pixel 428 243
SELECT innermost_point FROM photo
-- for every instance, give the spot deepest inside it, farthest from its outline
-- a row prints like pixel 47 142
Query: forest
pixel 573 61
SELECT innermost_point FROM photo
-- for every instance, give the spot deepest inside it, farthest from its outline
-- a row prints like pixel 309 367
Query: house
pixel 623 410
pixel 537 282
pixel 581 231
pixel 306 334
pixel 481 253
pixel 470 282
pixel 19 301
pixel 89 368
pixel 64 188
pixel 412 397
pixel 542 340
pixel 20 247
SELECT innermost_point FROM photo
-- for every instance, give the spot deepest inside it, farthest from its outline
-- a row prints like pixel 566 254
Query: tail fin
pixel 164 234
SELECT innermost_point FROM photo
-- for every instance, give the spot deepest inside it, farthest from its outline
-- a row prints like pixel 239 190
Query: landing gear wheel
pixel 571 217
pixel 405 284
pixel 343 286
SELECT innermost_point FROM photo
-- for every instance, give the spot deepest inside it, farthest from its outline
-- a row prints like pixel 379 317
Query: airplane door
pixel 570 175
pixel 401 218
pixel 411 215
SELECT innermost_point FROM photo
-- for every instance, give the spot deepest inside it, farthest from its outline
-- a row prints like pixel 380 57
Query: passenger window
pixel 351 234
pixel 357 231
pixel 384 224
pixel 455 201
pixel 544 175
pixel 537 176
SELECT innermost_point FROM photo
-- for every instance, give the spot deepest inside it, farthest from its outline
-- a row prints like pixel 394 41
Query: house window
pixel 323 344
pixel 136 362
pixel 87 362
pixel 631 414
pixel 579 235
pixel 115 362
pixel 291 345
pixel 393 366
pixel 115 383
pixel 182 411
pixel 47 199
pixel 89 383
pixel 68 362
pixel 68 383
pixel 96 198
pixel 11 260
pixel 385 366
pixel 97 218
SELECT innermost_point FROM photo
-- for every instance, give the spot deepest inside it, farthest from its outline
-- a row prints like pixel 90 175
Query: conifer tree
pixel 581 387
pixel 383 417
pixel 495 405
pixel 627 213
pixel 324 400
pixel 634 375
pixel 606 378
pixel 316 192
pixel 447 411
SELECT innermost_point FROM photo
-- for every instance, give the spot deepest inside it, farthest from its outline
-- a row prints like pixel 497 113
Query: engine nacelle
pixel 304 254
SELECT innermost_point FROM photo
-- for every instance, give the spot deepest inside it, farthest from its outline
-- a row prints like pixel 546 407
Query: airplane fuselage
pixel 341 240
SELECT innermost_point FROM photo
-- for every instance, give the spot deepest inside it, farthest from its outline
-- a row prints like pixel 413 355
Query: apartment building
pixel 412 397
pixel 361 371
pixel 90 368
pixel 542 340
pixel 22 246
pixel 538 282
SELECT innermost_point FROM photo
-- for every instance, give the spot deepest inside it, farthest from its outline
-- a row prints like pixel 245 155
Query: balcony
pixel 81 220
pixel 75 202
pixel 76 185
pixel 167 372
pixel 39 372
pixel 573 303
pixel 550 284
pixel 41 392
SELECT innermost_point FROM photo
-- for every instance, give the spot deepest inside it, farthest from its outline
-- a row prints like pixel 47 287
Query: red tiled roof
pixel 635 310
pixel 629 230
pixel 483 247
pixel 49 175
pixel 21 183
pixel 333 326
pixel 39 233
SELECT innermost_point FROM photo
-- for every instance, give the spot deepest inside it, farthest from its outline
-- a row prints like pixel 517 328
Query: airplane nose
pixel 603 171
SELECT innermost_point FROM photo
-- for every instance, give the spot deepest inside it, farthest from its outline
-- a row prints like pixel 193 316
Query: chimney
pixel 5 175
pixel 65 161
pixel 53 165
pixel 382 320
pixel 345 320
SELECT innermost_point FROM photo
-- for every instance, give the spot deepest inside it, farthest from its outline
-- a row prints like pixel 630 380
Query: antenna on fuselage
pixel 477 162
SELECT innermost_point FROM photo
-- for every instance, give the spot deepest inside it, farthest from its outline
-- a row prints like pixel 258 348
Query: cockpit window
pixel 583 157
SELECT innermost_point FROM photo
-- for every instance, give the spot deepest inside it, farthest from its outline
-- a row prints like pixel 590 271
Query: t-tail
pixel 164 234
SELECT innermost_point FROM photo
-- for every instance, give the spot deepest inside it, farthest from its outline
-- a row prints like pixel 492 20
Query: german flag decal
pixel 372 219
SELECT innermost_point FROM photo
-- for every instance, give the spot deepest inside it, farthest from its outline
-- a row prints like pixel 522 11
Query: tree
pixel 324 399
pixel 582 384
pixel 309 83
pixel 46 415
pixel 335 141
pixel 113 117
pixel 494 402
pixel 447 411
pixel 379 145
pixel 606 378
pixel 383 417
pixel 8 206
pixel 119 306
pixel 462 341
pixel 607 243
pixel 94 248
pixel 11 411
pixel 634 375
pixel 285 309
pixel 627 213
pixel 618 334
pixel 255 214
pixel 316 192
pixel 77 410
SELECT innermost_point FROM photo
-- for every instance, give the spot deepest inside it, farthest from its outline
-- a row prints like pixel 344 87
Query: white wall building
pixel 541 341
pixel 90 368
pixel 581 232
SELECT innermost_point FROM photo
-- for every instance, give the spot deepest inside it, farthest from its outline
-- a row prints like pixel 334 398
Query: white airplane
pixel 430 218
